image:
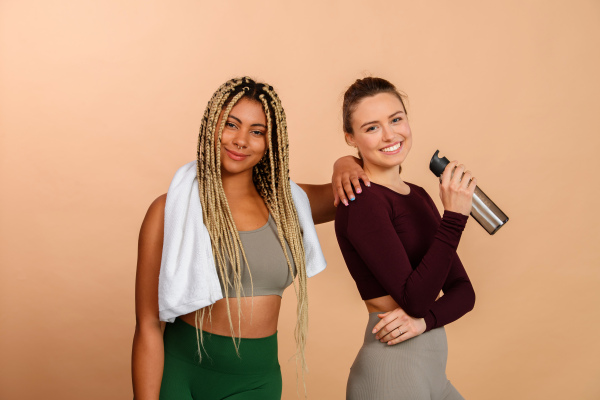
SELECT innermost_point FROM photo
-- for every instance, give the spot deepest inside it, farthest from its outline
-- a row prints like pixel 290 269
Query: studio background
pixel 101 101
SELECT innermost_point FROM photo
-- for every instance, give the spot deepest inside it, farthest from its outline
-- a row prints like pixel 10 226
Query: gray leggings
pixel 415 369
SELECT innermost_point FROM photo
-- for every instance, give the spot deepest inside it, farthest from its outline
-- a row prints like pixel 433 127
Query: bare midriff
pixel 381 304
pixel 385 303
pixel 259 318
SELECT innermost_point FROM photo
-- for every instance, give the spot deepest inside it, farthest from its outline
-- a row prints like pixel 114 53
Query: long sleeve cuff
pixel 451 228
pixel 430 321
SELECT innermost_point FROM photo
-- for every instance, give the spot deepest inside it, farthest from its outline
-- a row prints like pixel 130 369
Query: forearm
pixel 321 202
pixel 434 271
pixel 458 298
pixel 451 306
pixel 147 362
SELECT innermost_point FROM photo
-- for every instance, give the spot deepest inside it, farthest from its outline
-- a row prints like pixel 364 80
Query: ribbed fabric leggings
pixel 411 370
pixel 254 375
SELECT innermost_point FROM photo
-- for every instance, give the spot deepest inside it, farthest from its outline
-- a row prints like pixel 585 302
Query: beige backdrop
pixel 100 103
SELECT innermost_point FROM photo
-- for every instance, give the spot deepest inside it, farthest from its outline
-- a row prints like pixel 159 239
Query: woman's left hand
pixel 397 326
pixel 346 173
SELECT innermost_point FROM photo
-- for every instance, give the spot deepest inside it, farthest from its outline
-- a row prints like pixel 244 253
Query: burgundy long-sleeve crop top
pixel 398 245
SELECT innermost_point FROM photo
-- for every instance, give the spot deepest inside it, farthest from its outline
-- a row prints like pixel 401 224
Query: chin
pixel 234 168
pixel 395 161
pixel 233 171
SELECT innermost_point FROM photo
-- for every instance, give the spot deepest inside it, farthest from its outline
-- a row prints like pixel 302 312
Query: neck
pixel 238 185
pixel 383 176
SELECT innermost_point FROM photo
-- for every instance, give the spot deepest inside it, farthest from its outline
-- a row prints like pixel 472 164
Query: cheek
pixel 223 137
pixel 262 143
pixel 368 142
pixel 406 131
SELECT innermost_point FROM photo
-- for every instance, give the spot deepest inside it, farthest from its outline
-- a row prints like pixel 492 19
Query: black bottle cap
pixel 437 164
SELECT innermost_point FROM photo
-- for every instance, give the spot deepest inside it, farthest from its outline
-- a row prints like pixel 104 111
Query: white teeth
pixel 392 148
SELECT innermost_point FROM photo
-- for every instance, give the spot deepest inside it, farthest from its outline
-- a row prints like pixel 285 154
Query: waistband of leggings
pixel 256 355
pixel 374 319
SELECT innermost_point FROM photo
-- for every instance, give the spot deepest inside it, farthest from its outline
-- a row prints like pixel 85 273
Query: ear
pixel 349 139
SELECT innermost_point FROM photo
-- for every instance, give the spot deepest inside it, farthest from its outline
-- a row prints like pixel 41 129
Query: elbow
pixel 471 294
pixel 468 297
pixel 148 326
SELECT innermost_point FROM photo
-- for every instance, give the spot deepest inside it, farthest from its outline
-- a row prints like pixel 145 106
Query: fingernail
pixel 358 191
pixel 374 330
pixel 389 343
pixel 352 198
pixel 368 184
pixel 345 202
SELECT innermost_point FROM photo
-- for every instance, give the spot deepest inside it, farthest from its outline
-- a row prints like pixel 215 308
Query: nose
pixel 241 138
pixel 387 133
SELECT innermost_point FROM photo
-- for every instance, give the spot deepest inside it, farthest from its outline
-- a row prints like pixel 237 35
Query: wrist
pixel 348 159
pixel 429 321
pixel 455 217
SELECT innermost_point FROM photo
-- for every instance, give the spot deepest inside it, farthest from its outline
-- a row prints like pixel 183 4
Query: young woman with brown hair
pixel 401 254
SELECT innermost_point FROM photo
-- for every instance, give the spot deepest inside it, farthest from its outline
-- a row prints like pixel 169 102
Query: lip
pixel 234 155
pixel 392 145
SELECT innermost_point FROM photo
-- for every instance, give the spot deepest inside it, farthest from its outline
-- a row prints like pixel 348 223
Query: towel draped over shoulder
pixel 188 277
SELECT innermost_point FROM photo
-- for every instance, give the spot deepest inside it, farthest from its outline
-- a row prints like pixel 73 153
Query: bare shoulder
pixel 157 206
pixel 156 212
pixel 151 232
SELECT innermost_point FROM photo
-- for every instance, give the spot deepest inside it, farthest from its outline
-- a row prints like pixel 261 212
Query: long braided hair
pixel 271 179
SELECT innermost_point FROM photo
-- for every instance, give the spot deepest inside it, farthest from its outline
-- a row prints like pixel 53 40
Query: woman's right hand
pixel 456 188
pixel 397 326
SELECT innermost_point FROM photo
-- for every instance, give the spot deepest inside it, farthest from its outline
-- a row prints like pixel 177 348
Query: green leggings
pixel 222 374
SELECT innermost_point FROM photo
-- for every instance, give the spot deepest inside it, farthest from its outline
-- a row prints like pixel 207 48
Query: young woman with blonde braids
pixel 257 238
pixel 401 255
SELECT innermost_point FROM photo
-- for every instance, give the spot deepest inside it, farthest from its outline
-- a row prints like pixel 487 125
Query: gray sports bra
pixel 270 272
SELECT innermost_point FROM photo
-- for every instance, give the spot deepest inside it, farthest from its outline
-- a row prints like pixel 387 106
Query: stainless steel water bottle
pixel 484 210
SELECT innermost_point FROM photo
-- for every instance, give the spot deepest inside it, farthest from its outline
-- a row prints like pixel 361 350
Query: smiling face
pixel 244 138
pixel 380 131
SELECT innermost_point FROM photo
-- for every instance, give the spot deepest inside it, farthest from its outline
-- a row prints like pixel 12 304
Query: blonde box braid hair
pixel 271 178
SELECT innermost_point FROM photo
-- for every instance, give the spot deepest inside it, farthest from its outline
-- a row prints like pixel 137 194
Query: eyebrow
pixel 372 122
pixel 240 121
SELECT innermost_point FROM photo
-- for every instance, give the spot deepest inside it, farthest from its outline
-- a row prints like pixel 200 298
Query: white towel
pixel 188 277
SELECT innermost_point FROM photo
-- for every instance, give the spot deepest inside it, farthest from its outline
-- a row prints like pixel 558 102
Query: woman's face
pixel 381 131
pixel 244 139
